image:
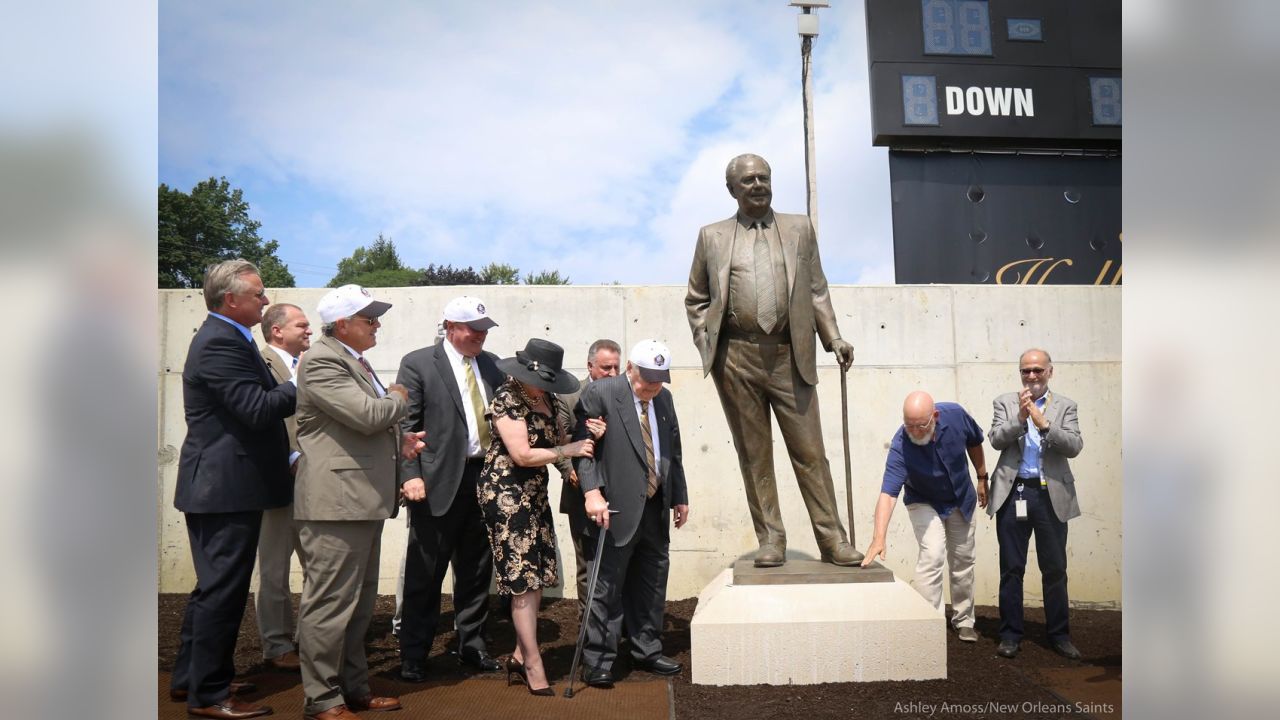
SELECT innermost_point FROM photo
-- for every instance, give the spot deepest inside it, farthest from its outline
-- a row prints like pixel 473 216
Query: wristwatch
pixel 559 453
pixel 983 477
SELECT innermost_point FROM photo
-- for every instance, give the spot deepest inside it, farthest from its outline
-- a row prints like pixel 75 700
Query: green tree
pixel 546 277
pixel 378 265
pixel 500 274
pixel 449 275
pixel 208 225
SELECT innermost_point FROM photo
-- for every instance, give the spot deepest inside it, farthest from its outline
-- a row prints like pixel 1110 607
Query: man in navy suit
pixel 234 464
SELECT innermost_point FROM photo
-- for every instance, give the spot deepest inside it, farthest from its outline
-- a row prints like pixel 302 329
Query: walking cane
pixel 586 613
pixel 848 472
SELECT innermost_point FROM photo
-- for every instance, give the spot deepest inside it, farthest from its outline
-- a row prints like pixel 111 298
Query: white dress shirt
pixel 459 374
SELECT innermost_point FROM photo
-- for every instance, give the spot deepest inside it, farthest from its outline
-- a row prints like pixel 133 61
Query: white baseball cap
pixel 653 359
pixel 469 310
pixel 343 302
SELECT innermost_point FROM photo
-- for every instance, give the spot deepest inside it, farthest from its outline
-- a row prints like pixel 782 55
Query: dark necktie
pixel 647 434
pixel 766 293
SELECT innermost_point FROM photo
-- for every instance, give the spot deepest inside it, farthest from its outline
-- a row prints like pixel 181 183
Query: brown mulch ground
pixel 1037 684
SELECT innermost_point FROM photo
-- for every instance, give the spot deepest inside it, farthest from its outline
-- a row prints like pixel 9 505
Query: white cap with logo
pixel 653 360
pixel 469 310
pixel 343 302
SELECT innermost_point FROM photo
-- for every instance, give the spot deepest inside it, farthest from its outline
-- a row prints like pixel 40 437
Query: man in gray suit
pixel 287 332
pixel 603 358
pixel 450 385
pixel 348 430
pixel 1034 492
pixel 757 294
pixel 638 472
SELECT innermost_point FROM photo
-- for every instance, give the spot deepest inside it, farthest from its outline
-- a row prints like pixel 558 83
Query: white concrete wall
pixel 957 342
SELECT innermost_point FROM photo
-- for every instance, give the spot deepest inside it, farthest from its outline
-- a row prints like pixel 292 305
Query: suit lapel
pixel 353 365
pixel 630 421
pixel 445 368
pixel 275 366
pixel 789 236
pixel 722 253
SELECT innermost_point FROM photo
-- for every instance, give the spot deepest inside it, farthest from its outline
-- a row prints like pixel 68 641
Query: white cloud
pixel 534 133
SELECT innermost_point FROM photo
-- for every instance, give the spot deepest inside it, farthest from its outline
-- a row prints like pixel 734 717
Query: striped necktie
pixel 766 292
pixel 647 433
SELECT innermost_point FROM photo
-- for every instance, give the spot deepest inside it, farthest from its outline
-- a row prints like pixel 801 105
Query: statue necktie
pixel 647 434
pixel 766 293
pixel 477 405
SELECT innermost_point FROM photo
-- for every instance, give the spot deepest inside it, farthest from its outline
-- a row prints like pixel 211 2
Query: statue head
pixel 749 180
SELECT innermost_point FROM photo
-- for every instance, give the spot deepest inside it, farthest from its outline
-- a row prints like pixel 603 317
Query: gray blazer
pixel 349 438
pixel 809 309
pixel 619 468
pixel 1060 442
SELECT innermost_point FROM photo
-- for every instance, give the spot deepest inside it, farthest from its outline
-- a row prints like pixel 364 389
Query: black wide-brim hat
pixel 540 364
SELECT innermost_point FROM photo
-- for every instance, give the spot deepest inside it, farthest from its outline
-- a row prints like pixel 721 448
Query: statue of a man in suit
pixel 757 295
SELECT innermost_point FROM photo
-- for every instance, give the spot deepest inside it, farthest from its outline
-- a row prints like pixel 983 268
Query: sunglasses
pixel 1033 371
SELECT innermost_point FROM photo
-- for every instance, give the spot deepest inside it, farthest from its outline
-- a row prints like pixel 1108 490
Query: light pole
pixel 807 23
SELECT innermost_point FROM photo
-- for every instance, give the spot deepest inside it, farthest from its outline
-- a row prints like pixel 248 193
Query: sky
pixel 587 137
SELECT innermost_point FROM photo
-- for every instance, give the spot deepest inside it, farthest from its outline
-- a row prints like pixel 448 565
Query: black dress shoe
pixel 1063 647
pixel 661 665
pixel 414 671
pixel 597 678
pixel 1008 648
pixel 481 661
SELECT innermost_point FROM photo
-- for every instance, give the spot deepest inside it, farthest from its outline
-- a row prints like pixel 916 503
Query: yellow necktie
pixel 477 405
pixel 647 433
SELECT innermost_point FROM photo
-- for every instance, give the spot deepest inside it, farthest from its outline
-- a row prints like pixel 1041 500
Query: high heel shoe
pixel 518 670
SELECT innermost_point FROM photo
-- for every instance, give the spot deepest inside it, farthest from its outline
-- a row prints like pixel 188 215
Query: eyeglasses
pixel 371 321
pixel 918 426
pixel 1033 371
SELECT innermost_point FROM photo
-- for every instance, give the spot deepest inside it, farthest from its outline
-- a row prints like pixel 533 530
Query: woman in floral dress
pixel 513 492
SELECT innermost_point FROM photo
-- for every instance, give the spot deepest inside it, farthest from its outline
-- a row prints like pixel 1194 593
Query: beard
pixel 928 437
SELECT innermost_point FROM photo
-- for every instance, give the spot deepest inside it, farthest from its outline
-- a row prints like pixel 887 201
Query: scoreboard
pixel 1003 119
pixel 995 73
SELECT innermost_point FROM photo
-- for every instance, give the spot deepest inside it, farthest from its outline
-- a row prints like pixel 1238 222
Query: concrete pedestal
pixel 815 633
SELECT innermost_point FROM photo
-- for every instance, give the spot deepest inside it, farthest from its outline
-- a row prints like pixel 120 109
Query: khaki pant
pixel 951 540
pixel 340 559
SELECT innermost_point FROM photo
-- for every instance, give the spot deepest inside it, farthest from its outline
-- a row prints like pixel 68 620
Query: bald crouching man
pixel 929 458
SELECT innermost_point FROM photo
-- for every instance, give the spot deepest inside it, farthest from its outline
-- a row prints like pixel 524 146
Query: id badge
pixel 1020 509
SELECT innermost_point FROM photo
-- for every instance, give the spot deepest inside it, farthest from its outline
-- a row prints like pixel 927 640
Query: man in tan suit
pixel 347 484
pixel 757 294
pixel 288 334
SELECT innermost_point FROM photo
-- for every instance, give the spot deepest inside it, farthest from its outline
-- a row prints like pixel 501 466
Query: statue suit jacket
pixel 619 468
pixel 435 405
pixel 281 373
pixel 1059 443
pixel 235 457
pixel 349 438
pixel 808 310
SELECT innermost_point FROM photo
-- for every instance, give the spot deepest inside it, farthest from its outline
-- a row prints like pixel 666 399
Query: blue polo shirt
pixel 937 473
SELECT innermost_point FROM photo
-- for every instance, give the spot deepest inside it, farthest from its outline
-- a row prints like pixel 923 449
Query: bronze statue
pixel 756 296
